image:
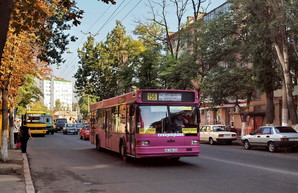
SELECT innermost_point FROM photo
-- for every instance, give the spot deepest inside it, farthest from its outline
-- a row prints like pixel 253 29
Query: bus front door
pixel 108 128
pixel 130 137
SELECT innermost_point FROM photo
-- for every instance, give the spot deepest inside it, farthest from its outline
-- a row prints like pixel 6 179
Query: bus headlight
pixel 194 142
pixel 143 143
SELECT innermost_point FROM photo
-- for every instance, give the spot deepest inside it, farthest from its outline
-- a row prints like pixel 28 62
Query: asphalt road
pixel 65 164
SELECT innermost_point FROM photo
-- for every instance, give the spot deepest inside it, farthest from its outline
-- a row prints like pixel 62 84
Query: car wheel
pixel 247 145
pixel 272 147
pixel 211 141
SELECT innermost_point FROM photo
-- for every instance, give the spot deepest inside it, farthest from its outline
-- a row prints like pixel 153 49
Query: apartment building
pixel 56 89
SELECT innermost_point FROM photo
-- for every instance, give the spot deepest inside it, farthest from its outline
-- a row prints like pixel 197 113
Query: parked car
pixel 84 132
pixel 70 128
pixel 271 137
pixel 80 125
pixel 217 134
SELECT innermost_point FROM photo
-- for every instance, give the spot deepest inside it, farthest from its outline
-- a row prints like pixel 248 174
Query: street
pixel 66 164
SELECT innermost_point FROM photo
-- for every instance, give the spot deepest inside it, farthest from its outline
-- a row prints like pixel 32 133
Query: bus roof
pixel 35 112
pixel 151 96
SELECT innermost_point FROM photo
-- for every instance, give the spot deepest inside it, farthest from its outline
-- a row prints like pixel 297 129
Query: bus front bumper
pixel 167 151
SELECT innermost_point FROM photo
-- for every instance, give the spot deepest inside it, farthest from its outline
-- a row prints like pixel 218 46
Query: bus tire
pixel 123 151
pixel 98 148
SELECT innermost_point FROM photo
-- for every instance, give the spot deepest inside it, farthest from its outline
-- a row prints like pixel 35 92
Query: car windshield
pixel 166 119
pixel 219 128
pixel 79 125
pixel 285 130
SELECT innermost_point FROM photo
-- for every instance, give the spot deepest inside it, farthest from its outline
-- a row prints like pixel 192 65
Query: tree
pixel 58 105
pixel 26 18
pixel 280 18
pixel 29 11
pixel 161 19
pixel 107 68
pixel 84 104
pixel 224 84
pixel 17 62
pixel 38 106
pixel 27 93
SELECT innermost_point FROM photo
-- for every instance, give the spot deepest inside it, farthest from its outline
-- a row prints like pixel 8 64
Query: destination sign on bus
pixel 168 96
pixel 34 114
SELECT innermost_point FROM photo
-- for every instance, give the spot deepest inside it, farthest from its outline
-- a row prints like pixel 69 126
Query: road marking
pixel 252 166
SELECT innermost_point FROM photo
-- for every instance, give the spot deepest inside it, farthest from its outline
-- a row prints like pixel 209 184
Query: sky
pixel 99 19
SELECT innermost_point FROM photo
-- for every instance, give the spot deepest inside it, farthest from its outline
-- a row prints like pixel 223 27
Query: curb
pixel 27 175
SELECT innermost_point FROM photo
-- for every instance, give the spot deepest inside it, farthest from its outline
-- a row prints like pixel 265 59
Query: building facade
pixel 54 90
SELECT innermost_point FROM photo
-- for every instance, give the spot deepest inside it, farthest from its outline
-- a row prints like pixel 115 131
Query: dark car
pixel 60 123
pixel 271 137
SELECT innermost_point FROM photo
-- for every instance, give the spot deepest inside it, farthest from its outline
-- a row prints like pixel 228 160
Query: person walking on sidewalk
pixel 15 131
pixel 25 136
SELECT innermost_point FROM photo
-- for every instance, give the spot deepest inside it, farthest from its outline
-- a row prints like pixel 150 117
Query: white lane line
pixel 252 166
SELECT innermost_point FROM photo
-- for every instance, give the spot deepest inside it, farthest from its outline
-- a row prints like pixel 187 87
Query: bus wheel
pixel 123 152
pixel 175 159
pixel 98 148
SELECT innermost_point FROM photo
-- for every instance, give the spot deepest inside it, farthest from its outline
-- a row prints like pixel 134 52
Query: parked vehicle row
pixel 269 137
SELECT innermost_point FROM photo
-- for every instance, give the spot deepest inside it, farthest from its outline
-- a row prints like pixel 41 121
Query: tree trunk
pixel 269 107
pixel 4 148
pixel 11 138
pixel 283 57
pixel 243 124
pixel 284 111
pixel 5 11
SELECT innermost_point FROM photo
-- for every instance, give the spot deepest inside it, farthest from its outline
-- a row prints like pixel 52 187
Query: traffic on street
pixel 64 163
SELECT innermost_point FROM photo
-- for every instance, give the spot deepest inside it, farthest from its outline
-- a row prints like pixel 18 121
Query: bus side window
pixel 122 117
pixel 116 120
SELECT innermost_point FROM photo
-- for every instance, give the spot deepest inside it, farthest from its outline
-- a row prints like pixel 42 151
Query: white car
pixel 217 134
pixel 271 137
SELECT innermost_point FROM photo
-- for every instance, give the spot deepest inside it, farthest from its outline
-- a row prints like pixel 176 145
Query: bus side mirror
pixel 198 114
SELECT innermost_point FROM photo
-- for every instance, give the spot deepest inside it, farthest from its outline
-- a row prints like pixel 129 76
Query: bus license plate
pixel 171 150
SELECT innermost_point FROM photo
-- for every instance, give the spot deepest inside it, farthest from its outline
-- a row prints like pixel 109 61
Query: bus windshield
pixel 166 119
pixel 35 118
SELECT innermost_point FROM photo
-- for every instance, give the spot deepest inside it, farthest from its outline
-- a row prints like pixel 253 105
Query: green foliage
pixel 55 44
pixel 28 93
pixel 38 106
pixel 84 103
pixel 112 67
pixel 223 84
pixel 58 105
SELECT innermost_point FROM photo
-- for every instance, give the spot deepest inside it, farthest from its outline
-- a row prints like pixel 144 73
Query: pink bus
pixel 148 123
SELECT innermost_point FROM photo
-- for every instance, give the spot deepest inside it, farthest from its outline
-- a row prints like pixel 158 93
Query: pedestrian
pixel 15 131
pixel 25 135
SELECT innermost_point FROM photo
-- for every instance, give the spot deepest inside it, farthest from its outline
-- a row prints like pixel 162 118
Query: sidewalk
pixel 15 175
